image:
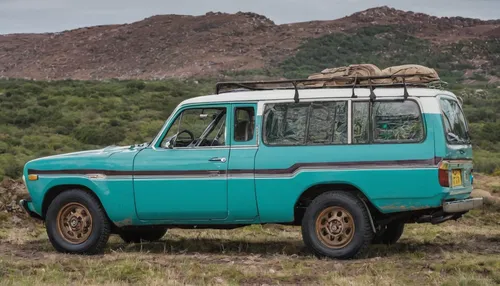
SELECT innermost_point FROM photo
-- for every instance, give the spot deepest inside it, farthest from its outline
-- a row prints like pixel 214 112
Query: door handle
pixel 217 159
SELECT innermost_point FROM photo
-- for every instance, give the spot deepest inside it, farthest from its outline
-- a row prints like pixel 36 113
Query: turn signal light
pixel 32 177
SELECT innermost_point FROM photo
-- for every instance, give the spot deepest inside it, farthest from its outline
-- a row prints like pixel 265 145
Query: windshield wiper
pixel 453 137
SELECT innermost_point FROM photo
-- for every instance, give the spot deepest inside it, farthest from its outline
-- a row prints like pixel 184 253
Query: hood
pixel 104 152
pixel 93 159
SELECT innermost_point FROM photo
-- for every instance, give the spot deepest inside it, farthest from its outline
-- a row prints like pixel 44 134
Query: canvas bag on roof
pixel 422 74
pixel 348 72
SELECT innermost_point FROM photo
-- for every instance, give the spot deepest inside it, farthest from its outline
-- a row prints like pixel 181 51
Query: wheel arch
pixel 308 195
pixel 54 191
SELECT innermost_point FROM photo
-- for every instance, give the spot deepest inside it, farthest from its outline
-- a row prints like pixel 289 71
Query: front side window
pixel 397 122
pixel 454 122
pixel 197 127
pixel 306 123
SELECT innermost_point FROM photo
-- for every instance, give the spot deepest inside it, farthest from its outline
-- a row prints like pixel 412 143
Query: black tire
pixel 362 234
pixel 100 226
pixel 142 235
pixel 390 235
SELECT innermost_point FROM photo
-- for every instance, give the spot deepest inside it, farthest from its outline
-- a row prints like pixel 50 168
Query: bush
pixel 44 118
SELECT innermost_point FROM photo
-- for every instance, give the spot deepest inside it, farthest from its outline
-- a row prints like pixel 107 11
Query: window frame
pixel 308 119
pixel 179 112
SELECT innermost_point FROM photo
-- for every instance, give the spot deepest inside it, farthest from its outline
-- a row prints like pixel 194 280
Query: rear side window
pixel 286 124
pixel 360 122
pixel 328 123
pixel 244 124
pixel 306 123
pixel 454 122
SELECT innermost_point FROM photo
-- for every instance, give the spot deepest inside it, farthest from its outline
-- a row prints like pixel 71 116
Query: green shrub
pixel 44 118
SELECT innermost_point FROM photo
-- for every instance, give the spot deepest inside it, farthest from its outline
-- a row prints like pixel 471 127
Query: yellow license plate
pixel 456 178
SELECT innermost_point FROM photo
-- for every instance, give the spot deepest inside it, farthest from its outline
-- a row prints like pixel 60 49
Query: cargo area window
pixel 386 122
pixel 454 122
pixel 397 122
pixel 315 123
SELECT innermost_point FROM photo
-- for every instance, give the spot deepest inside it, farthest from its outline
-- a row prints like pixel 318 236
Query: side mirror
pixel 170 143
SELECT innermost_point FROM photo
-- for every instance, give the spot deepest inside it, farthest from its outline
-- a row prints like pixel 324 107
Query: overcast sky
pixel 36 16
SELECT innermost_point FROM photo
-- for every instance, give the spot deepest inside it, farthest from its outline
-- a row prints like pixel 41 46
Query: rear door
pixel 241 180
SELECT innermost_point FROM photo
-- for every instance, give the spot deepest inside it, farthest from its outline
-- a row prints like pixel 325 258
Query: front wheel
pixel 142 235
pixel 337 225
pixel 77 223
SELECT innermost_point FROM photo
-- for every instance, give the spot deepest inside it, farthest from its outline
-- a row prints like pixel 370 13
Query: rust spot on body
pixel 125 222
pixel 403 208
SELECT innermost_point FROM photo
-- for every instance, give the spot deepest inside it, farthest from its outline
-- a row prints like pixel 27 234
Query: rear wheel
pixel 142 235
pixel 77 223
pixel 337 225
pixel 390 234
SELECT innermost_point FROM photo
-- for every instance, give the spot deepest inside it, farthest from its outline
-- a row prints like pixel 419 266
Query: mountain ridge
pixel 180 46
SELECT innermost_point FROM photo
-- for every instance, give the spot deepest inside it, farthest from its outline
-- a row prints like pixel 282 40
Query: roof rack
pixel 296 84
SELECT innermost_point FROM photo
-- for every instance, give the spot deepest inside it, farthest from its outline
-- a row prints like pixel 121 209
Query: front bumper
pixel 462 205
pixel 25 205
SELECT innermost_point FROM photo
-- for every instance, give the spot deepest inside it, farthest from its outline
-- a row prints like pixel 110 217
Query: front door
pixel 184 175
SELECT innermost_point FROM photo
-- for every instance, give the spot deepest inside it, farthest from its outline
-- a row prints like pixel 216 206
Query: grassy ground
pixel 466 252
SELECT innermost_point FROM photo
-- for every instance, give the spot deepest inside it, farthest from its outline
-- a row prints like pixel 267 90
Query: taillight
pixel 444 174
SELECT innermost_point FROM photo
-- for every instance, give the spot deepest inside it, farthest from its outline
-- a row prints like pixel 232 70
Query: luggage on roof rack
pixel 362 75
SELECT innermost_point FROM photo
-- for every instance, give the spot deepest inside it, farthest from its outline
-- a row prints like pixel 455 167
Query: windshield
pixel 454 122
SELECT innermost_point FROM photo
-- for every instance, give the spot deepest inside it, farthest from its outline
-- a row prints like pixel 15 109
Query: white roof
pixel 266 95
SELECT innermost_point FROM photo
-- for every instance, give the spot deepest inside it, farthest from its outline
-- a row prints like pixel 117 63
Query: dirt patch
pixel 11 192
pixel 464 252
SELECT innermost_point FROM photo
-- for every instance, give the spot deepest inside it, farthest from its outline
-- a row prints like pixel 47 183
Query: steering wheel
pixel 188 132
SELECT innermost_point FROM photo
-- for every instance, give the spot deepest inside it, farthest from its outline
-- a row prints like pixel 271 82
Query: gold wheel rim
pixel 74 223
pixel 335 227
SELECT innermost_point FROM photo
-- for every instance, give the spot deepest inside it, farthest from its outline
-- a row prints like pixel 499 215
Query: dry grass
pixel 466 252
pixel 455 253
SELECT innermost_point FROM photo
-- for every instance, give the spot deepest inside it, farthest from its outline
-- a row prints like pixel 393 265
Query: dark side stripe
pixel 290 170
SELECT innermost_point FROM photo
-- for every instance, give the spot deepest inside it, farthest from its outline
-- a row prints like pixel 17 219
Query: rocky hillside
pixel 217 43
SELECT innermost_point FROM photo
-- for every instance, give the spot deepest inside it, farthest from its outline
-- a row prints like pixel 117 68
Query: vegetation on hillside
pixel 40 118
pixel 43 118
pixel 386 46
